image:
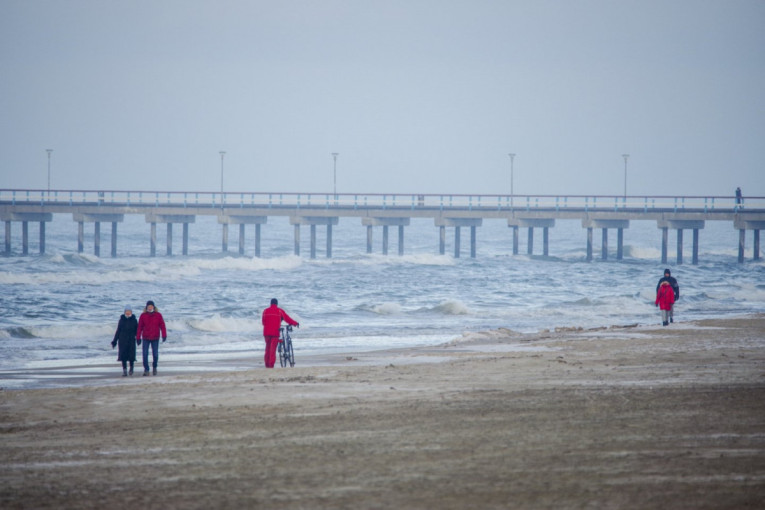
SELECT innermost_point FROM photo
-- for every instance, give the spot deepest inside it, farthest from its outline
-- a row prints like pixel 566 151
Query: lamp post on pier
pixel 49 151
pixel 626 157
pixel 222 154
pixel 512 159
pixel 334 175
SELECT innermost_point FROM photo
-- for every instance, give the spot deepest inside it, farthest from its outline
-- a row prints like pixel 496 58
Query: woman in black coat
pixel 125 337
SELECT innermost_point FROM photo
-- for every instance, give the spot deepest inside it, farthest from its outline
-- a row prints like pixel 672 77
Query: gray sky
pixel 417 96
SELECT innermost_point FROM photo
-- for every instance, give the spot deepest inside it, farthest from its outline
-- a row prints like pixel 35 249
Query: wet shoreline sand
pixel 644 417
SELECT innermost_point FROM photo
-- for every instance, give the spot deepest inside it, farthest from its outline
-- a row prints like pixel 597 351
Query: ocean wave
pixel 216 323
pixel 387 308
pixel 452 307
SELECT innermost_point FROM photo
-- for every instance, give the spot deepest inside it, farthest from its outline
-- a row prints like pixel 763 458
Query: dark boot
pixel 124 372
pixel 155 371
pixel 131 369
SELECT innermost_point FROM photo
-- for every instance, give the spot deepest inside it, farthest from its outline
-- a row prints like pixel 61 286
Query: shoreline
pixel 110 373
pixel 648 417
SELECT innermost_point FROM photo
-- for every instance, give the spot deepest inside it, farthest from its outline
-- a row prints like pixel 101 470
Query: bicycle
pixel 286 353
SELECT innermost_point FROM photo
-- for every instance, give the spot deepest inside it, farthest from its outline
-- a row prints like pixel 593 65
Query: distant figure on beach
pixel 125 338
pixel 675 288
pixel 150 325
pixel 272 318
pixel 665 297
pixel 739 197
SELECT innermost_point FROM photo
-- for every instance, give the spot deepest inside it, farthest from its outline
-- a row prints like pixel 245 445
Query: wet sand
pixel 644 417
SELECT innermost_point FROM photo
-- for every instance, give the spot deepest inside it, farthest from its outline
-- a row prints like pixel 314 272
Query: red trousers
pixel 270 356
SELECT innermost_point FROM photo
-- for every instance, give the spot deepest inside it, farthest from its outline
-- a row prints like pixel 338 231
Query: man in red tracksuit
pixel 272 320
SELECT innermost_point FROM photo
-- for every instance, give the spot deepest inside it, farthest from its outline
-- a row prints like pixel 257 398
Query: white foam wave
pixel 216 323
pixel 452 307
pixel 387 309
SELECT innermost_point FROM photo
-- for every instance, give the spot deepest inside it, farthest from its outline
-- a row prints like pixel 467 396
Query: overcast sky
pixel 417 96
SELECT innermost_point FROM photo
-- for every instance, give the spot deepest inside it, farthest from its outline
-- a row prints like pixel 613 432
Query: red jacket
pixel 150 325
pixel 665 297
pixel 272 320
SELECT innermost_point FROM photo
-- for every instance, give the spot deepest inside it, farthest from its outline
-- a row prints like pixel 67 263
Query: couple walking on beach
pixel 667 293
pixel 131 332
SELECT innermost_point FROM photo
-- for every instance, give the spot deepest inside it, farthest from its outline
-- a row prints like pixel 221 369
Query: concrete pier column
pixel 456 242
pixel 97 239
pixel 603 223
pixel 695 256
pixel 313 221
pixel 42 237
pixel 442 240
pixel 679 246
pixel 589 244
pixel 619 244
pixel 741 245
pixel 545 241
pixel 604 245
pixel 530 243
pixel 313 241
pixel 515 239
pixel 472 241
pixel 224 246
pixel 185 237
pixel 114 239
pixel 385 240
pixel 241 239
pixel 756 255
pixel 457 223
pixel 257 240
pixel 169 239
pixel 80 236
pixel 400 240
pixel 329 240
pixel 664 242
pixel 7 237
pixel 386 222
pixel 369 238
pixel 25 237
pixel 153 240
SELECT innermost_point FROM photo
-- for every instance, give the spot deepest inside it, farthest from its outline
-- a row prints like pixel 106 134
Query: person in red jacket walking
pixel 665 298
pixel 150 325
pixel 272 320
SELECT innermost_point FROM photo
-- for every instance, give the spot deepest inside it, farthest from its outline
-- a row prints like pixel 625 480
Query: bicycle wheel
pixel 290 353
pixel 282 354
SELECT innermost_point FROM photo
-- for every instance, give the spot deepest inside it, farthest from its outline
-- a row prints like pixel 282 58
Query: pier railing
pixel 378 200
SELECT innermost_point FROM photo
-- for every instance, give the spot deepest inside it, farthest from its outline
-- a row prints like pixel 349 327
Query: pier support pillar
pixel 619 244
pixel 457 223
pixel 456 242
pixel 42 237
pixel 472 241
pixel 695 257
pixel 515 239
pixel 742 225
pixel 114 239
pixel 153 240
pixel 97 219
pixel 604 245
pixel 257 240
pixel 741 245
pixel 241 219
pixel 25 218
pixel 679 225
pixel 224 246
pixel 241 239
pixel 185 238
pixel 604 224
pixel 97 239
pixel 756 245
pixel 169 251
pixel 25 237
pixel 168 219
pixel 589 244
pixel 327 221
pixel 7 237
pixel 442 240
pixel 531 223
pixel 371 222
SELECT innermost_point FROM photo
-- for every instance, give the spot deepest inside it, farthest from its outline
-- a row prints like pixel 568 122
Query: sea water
pixel 61 308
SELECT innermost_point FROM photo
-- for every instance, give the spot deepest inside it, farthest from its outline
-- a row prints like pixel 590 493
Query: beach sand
pixel 625 417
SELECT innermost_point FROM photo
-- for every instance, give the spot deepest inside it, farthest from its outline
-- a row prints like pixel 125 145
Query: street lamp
pixel 334 178
pixel 512 159
pixel 49 151
pixel 625 156
pixel 222 153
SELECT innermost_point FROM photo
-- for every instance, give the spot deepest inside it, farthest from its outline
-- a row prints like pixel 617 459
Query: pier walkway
pixel 678 213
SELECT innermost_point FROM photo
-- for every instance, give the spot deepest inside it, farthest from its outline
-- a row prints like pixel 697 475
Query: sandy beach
pixel 623 417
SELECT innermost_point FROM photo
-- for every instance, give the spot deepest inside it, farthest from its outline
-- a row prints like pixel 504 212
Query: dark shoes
pixel 671 319
pixel 131 371
pixel 145 373
pixel 665 323
pixel 124 372
pixel 155 372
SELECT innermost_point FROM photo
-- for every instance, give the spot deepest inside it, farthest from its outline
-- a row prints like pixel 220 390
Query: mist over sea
pixel 61 308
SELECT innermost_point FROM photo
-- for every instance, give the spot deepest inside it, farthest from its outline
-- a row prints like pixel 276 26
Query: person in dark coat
pixel 125 338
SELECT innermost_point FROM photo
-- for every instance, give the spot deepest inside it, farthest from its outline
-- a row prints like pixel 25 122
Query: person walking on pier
pixel 272 318
pixel 664 300
pixel 739 198
pixel 150 325
pixel 675 289
pixel 125 338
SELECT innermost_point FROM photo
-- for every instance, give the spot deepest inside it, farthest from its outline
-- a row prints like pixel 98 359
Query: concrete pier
pixel 605 224
pixel 313 221
pixel 680 225
pixel 241 219
pixel 169 219
pixel 97 219
pixel 457 223
pixel 24 218
pixel 742 225
pixel 371 222
pixel 531 223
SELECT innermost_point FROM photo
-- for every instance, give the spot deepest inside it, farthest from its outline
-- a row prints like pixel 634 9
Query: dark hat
pixel 149 302
pixel 667 271
pixel 274 301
